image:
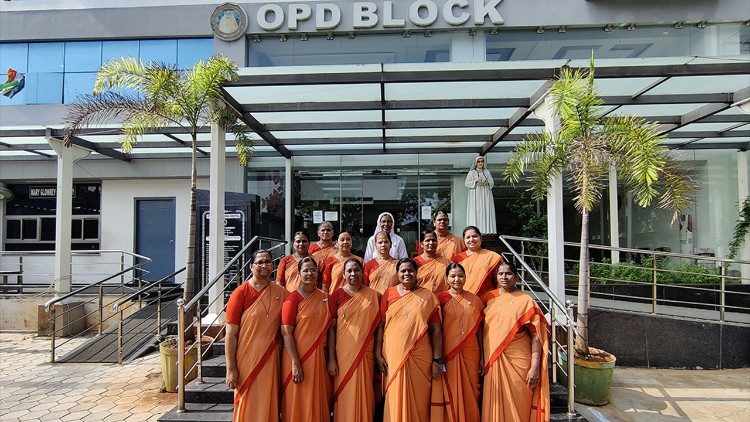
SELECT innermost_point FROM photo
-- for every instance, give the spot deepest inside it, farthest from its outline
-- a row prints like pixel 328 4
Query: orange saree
pixel 408 352
pixel 357 318
pixel 509 319
pixel 431 273
pixel 480 269
pixel 449 245
pixel 379 277
pixel 320 255
pixel 310 399
pixel 287 274
pixel 257 397
pixel 333 272
pixel 462 315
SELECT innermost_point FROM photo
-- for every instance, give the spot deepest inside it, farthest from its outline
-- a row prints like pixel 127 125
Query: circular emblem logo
pixel 229 22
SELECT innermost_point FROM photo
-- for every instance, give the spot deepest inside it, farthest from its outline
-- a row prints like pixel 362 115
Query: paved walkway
pixel 668 395
pixel 32 389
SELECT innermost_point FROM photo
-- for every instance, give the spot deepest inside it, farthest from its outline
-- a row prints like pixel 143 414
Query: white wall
pixel 118 211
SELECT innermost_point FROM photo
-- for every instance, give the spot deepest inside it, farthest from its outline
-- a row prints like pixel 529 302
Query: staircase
pixel 212 400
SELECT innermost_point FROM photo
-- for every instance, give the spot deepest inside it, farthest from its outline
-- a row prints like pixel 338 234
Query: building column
pixel 614 222
pixel 288 212
pixel 2 218
pixel 216 258
pixel 743 188
pixel 555 238
pixel 64 210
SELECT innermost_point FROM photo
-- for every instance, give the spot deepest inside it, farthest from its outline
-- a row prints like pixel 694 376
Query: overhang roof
pixel 440 108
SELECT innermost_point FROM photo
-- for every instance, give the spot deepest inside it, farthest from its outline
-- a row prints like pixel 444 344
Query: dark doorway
pixel 155 235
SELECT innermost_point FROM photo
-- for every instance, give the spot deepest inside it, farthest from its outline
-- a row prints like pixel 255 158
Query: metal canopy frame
pixel 695 116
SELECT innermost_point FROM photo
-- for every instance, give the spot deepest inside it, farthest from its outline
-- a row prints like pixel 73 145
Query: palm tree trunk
pixel 582 337
pixel 190 282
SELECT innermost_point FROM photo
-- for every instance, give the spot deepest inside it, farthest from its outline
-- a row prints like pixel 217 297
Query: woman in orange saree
pixel 287 274
pixel 480 264
pixel 380 271
pixel 448 243
pixel 333 268
pixel 404 351
pixel 351 362
pixel 305 318
pixel 324 247
pixel 431 273
pixel 462 317
pixel 253 319
pixel 516 382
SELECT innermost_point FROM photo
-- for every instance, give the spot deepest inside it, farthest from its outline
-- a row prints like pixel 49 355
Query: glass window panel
pixel 83 56
pixel 113 50
pixel 163 51
pixel 44 88
pixel 13 229
pixel 29 229
pixel 77 84
pixel 76 229
pixel 189 51
pixel 48 229
pixel 14 55
pixel 46 57
pixel 90 228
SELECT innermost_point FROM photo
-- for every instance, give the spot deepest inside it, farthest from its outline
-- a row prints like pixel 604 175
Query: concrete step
pixel 215 367
pixel 199 412
pixel 213 390
pixel 560 417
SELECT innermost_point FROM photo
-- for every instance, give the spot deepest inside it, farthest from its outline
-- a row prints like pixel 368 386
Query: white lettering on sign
pixel 365 15
pixel 327 16
pixel 482 10
pixel 298 12
pixel 270 9
pixel 388 14
pixel 431 12
pixel 450 17
pixel 42 192
pixel 388 20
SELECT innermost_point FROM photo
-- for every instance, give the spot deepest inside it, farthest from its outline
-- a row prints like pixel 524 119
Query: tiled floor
pixel 32 389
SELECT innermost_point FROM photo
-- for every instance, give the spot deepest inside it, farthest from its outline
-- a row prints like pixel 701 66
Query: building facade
pixel 332 171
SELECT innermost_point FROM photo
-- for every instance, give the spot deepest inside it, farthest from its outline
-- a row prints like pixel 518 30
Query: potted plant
pixel 586 145
pixel 149 96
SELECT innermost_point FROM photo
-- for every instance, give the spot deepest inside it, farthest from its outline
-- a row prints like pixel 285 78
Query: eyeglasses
pixel 264 262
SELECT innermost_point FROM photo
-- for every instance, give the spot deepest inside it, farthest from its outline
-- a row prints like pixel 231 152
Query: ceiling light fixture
pixel 303 36
pixel 406 33
pixel 608 27
pixel 351 35
pixel 427 33
pixel 283 37
pixel 472 32
pixel 329 35
pixel 493 31
pixel 702 24
pixel 540 30
pixel 561 29
pixel 678 24
pixel 255 37
pixel 631 27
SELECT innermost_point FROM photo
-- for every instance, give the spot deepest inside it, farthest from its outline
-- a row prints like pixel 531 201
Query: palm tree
pixel 586 146
pixel 150 96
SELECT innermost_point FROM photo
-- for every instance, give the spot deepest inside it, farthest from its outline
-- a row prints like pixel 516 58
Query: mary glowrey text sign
pixel 342 16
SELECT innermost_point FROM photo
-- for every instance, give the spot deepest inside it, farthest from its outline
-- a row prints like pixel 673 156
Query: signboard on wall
pixel 343 16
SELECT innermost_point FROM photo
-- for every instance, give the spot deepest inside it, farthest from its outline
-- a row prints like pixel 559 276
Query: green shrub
pixel 680 272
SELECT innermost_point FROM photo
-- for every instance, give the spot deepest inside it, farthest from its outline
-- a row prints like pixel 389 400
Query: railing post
pixel 722 297
pixel 140 296
pixel 653 284
pixel 122 276
pixel 158 311
pixel 553 327
pixel 52 328
pixel 571 361
pixel 119 339
pixel 180 355
pixel 19 277
pixel 198 345
pixel 101 307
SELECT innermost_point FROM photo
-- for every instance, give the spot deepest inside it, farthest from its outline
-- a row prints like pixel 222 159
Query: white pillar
pixel 2 217
pixel 217 176
pixel 64 210
pixel 466 48
pixel 614 223
pixel 555 238
pixel 743 188
pixel 288 212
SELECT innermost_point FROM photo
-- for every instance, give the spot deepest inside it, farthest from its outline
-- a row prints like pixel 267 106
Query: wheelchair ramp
pixel 139 334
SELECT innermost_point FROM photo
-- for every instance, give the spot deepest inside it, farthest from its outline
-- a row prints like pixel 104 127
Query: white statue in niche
pixel 480 209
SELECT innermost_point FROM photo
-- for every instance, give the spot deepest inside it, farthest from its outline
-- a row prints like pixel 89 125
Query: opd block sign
pixel 371 15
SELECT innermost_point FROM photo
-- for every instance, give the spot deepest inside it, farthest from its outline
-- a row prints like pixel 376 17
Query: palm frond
pixel 534 147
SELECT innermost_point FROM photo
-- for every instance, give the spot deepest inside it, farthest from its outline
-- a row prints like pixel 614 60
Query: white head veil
pixel 474 166
pixel 377 224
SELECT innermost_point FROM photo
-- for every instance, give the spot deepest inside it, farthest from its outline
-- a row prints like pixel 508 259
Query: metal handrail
pixel 116 305
pixel 76 253
pixel 183 307
pixel 55 300
pixel 220 275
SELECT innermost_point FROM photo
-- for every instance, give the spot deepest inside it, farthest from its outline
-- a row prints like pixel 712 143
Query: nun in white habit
pixel 480 208
pixel 386 223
